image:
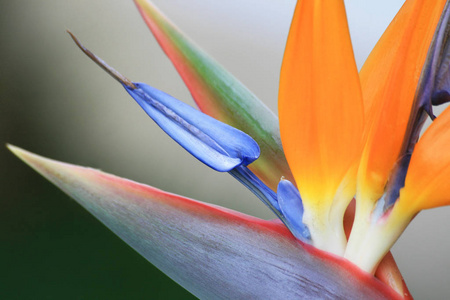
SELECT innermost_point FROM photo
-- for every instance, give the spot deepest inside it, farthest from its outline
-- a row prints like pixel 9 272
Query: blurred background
pixel 57 103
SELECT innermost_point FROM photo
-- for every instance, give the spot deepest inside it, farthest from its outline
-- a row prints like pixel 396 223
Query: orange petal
pixel 426 186
pixel 427 183
pixel 389 79
pixel 320 104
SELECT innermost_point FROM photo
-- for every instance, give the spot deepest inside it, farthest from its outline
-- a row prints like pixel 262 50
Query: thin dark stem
pixel 111 71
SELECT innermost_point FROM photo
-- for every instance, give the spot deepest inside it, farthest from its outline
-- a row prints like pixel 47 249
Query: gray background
pixel 57 103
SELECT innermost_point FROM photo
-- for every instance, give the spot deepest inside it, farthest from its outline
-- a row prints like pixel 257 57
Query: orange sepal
pixel 320 104
pixel 427 183
pixel 389 79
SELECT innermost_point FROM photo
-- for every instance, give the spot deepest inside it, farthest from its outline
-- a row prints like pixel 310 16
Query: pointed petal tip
pixel 35 161
pixel 26 156
pixel 102 64
pixel 12 148
pixel 51 169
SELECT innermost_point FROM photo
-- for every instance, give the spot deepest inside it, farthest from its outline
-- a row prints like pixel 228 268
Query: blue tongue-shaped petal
pixel 214 143
pixel 291 206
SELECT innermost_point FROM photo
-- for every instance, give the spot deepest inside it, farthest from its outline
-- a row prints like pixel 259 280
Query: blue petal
pixel 255 185
pixel 395 184
pixel 214 143
pixel 291 206
pixel 434 84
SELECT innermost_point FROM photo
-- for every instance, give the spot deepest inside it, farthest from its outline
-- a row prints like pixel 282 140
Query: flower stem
pixel 327 232
pixel 371 238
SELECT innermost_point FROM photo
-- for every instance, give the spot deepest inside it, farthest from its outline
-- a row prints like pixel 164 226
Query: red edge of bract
pixel 228 215
pixel 363 276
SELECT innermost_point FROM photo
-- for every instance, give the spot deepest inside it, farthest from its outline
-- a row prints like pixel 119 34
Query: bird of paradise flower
pixel 343 135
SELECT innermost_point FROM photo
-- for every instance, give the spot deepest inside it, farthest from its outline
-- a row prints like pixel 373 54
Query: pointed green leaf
pixel 213 252
pixel 221 95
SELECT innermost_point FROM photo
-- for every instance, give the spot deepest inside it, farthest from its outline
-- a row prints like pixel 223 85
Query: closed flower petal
pixel 389 81
pixel 321 111
pixel 427 184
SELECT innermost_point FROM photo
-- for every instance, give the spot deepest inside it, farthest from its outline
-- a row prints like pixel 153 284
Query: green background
pixel 57 103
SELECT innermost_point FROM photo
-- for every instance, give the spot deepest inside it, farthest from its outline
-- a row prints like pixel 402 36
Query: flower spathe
pixel 213 252
pixel 344 134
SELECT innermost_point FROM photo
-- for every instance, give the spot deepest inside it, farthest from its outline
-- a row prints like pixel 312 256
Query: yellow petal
pixel 389 79
pixel 427 183
pixel 320 104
